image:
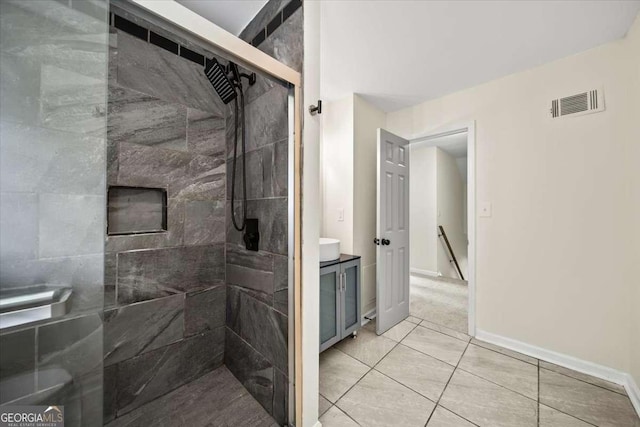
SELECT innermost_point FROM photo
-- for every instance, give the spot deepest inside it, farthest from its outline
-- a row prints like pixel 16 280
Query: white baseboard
pixel 633 391
pixel 317 424
pixel 599 371
pixel 424 272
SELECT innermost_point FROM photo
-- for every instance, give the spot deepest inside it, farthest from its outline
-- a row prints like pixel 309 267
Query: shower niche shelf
pixel 136 210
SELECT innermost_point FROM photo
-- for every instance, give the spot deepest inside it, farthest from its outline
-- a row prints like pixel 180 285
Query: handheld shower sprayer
pixel 225 81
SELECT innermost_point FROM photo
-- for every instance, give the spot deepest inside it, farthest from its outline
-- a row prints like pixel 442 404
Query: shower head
pixel 217 75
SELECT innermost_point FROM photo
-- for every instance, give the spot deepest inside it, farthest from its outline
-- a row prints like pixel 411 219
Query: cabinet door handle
pixel 343 285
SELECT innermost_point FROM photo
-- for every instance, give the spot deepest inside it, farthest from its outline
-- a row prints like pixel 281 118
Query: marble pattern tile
pixel 267 118
pixel 377 400
pixel 204 310
pixel 157 323
pixel 444 418
pixel 35 159
pixel 272 216
pixel 110 272
pixel 338 373
pixel 503 370
pixel 334 417
pixel 281 301
pixel 226 400
pixel 445 330
pixel 486 404
pixel 419 372
pixel 172 237
pixel 152 374
pixel 150 69
pixel 70 225
pixel 585 401
pixel 17 364
pixel 20 86
pixel 145 166
pixel 251 368
pixel 435 344
pixel 73 345
pixel 368 347
pixel 72 101
pixel 280 397
pixel 205 133
pixel 204 222
pixel 252 270
pixel 110 407
pixel 135 210
pixel 285 44
pixel 323 405
pixel 149 274
pixel 550 417
pixel 505 351
pixel 583 377
pixel 18 225
pixel 264 328
pixel 138 118
pixel 398 332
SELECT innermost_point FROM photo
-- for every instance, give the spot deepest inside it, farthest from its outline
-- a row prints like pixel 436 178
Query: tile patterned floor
pixel 423 374
pixel 215 399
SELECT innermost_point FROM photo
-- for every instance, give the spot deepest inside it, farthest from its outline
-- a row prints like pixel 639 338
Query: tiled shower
pixel 182 297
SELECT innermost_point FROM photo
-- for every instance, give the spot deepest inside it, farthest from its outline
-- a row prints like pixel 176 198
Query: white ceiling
pixel 232 15
pixel 400 53
pixel 455 145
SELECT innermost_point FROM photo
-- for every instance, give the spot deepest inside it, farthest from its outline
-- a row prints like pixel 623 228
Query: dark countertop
pixel 343 258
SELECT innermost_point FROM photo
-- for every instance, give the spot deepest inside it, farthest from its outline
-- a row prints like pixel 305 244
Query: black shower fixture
pixel 227 82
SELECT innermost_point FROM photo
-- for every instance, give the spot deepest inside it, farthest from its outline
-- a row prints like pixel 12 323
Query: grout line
pixel 447 385
pixel 508 355
pixel 562 412
pixel 586 382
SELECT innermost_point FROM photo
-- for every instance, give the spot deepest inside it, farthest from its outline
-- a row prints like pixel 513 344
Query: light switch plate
pixel 341 214
pixel 485 210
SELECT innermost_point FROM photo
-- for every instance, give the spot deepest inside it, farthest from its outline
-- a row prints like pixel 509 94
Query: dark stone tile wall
pixel 257 282
pixel 165 293
pixel 53 61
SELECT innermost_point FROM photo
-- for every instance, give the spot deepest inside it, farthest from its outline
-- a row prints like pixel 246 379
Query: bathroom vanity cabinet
pixel 340 296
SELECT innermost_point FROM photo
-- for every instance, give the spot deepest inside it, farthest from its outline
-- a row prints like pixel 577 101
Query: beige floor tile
pixel 414 319
pixel 445 330
pixel 444 418
pixel 379 401
pixel 440 346
pixel 398 332
pixel 588 402
pixel 550 417
pixel 323 405
pixel 334 417
pixel 487 404
pixel 338 373
pixel 368 347
pixel 584 377
pixel 424 374
pixel 506 371
pixel 505 351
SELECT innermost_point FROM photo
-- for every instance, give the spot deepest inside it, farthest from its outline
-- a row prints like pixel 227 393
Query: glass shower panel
pixel 53 81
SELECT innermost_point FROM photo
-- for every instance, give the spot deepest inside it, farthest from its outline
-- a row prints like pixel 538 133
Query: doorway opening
pixel 425 213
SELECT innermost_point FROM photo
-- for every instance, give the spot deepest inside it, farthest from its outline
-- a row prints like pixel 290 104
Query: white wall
pixel 337 173
pixel 451 214
pixel 349 153
pixel 423 210
pixel 549 272
pixel 310 222
pixel 367 120
pixel 633 157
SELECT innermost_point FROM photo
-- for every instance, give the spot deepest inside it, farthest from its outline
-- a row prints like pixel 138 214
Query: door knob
pixel 385 242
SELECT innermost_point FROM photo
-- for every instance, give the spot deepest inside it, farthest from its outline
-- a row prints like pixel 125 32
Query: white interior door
pixel 392 287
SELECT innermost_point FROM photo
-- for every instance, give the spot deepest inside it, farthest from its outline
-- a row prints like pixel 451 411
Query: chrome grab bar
pixel 32 303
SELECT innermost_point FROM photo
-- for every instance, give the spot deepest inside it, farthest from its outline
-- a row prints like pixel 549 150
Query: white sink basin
pixel 329 249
